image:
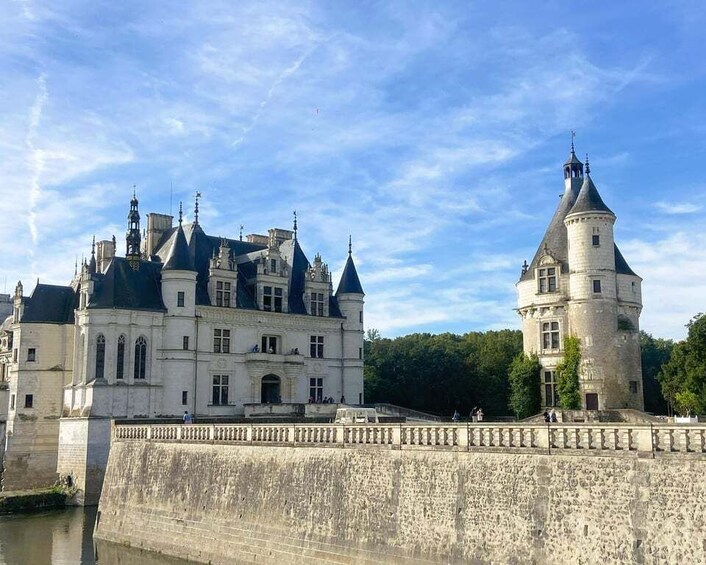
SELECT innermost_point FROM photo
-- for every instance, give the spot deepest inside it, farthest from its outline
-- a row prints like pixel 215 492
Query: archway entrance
pixel 270 391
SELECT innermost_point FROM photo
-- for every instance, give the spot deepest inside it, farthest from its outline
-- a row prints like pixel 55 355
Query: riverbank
pixel 12 502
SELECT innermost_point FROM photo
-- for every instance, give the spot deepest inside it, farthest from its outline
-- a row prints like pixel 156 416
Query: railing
pixel 560 439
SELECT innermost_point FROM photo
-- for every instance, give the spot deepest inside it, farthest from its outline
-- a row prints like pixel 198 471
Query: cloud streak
pixel 35 157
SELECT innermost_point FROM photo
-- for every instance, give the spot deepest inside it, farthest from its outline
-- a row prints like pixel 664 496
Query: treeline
pixel 446 372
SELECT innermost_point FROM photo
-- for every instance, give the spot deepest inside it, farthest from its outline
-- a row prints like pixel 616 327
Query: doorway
pixel 591 401
pixel 270 390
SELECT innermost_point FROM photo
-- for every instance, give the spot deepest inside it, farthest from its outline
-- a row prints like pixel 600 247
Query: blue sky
pixel 433 132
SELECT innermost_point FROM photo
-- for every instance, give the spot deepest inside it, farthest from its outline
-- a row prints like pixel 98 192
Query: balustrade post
pixel 148 435
pixel 644 440
pixel 627 439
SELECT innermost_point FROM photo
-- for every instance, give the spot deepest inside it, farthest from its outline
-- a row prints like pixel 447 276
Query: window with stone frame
pixel 551 396
pixel 100 356
pixel 29 400
pixel 140 372
pixel 221 340
pixel 317 303
pixel 596 286
pixel 185 343
pixel 316 346
pixel 272 299
pixel 269 344
pixel 120 363
pixel 180 299
pixel 550 336
pixel 316 389
pixel 220 390
pixel 547 279
pixel 223 289
pixel 31 354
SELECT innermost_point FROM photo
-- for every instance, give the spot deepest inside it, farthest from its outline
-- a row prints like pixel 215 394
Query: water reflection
pixel 65 537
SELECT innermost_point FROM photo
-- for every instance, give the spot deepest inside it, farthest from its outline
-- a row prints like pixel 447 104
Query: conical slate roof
pixel 179 258
pixel 350 283
pixel 589 200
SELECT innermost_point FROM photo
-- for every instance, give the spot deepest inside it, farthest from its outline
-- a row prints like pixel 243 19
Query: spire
pixel 588 165
pixel 295 225
pixel 350 245
pixel 573 168
pixel 241 232
pixel 76 266
pixel 196 208
pixel 92 263
pixel 133 236
pixel 181 213
pixel 350 283
pixel 589 200
pixel 179 258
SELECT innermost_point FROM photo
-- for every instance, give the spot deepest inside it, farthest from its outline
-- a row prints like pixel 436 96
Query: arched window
pixel 120 367
pixel 270 390
pixel 140 358
pixel 100 356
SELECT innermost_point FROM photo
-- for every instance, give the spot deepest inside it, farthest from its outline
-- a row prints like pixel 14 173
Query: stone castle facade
pixel 579 284
pixel 184 321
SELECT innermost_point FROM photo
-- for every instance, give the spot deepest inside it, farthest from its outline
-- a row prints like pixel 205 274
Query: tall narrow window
pixel 551 398
pixel 140 358
pixel 550 335
pixel 273 266
pixel 220 390
pixel 316 389
pixel 317 303
pixel 221 341
pixel 100 356
pixel 596 286
pixel 267 298
pixel 278 299
pixel 596 240
pixel 180 299
pixel 223 294
pixel 120 366
pixel 184 397
pixel 185 342
pixel 29 400
pixel 31 354
pixel 316 346
pixel 547 279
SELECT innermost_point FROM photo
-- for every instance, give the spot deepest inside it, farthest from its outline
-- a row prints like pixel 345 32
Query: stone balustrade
pixel 560 439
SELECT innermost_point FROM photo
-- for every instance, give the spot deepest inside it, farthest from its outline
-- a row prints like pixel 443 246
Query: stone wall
pixel 273 504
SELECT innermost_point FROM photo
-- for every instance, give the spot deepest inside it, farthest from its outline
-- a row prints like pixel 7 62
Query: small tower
pixel 573 170
pixel 350 297
pixel 133 237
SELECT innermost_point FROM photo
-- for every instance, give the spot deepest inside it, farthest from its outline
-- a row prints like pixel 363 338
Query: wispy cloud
pixel 35 155
pixel 678 207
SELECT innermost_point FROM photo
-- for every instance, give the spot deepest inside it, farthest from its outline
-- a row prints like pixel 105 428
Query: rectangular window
pixel 633 387
pixel 220 390
pixel 29 400
pixel 316 346
pixel 551 397
pixel 278 299
pixel 316 389
pixel 550 335
pixel 547 279
pixel 184 397
pixel 185 342
pixel 596 240
pixel 267 298
pixel 223 294
pixel 317 304
pixel 360 353
pixel 596 286
pixel 269 344
pixel 360 316
pixel 273 265
pixel 180 299
pixel 14 355
pixel 221 341
pixel 31 354
pixel 12 402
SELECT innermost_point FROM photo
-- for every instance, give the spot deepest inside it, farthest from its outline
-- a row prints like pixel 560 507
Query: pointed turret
pixel 92 264
pixel 350 283
pixel 179 258
pixel 588 199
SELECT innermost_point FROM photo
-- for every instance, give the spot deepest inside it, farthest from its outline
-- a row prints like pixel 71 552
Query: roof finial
pixel 295 225
pixel 196 208
pixel 588 166
pixel 241 232
pixel 573 135
pixel 76 266
pixel 350 244
pixel 93 246
pixel 134 191
pixel 181 212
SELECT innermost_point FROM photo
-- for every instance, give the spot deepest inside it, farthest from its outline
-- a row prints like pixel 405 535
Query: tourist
pixel 479 415
pixel 552 416
pixel 474 414
pixel 187 419
pixel 343 399
pixel 456 417
pixel 546 416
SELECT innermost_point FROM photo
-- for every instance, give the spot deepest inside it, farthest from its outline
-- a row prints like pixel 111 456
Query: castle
pixel 579 284
pixel 184 321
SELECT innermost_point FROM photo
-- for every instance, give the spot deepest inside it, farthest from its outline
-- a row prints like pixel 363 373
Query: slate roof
pixel 350 283
pixel 588 199
pixel 125 288
pixel 50 304
pixel 178 257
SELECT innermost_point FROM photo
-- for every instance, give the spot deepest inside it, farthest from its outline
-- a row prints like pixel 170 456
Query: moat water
pixel 65 537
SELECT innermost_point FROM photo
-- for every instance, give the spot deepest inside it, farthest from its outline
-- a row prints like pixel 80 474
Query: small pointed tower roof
pixel 179 258
pixel 589 200
pixel 350 283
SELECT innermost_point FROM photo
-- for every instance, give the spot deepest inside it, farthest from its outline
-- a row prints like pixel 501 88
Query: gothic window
pixel 547 279
pixel 221 341
pixel 120 367
pixel 316 346
pixel 316 389
pixel 272 299
pixel 223 294
pixel 550 335
pixel 551 397
pixel 220 390
pixel 317 303
pixel 100 356
pixel 140 358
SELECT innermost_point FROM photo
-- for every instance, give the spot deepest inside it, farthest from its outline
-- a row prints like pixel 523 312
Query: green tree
pixel 655 353
pixel 525 393
pixel 568 374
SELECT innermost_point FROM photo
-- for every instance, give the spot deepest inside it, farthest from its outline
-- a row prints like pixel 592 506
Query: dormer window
pixel 546 278
pixel 317 303
pixel 223 294
pixel 272 299
pixel 273 266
